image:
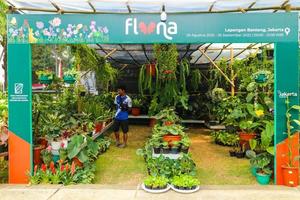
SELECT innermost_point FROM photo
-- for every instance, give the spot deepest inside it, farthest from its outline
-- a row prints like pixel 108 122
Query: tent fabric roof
pixel 138 54
pixel 152 6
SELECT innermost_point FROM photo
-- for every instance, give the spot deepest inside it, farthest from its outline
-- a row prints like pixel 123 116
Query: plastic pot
pixel 135 111
pixel 168 123
pixel 157 150
pixel 253 170
pixel 45 79
pixel 77 162
pixel 245 138
pixel 55 145
pixel 55 158
pixel 232 153
pixel 174 150
pixel 166 150
pixel 69 79
pixel 240 154
pixel 185 150
pixel 263 179
pixel 99 127
pixel 37 154
pixel 261 78
pixel 152 122
pixel 290 176
pixel 171 138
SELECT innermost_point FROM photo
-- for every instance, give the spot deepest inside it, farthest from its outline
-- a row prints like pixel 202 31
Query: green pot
pixel 69 79
pixel 253 171
pixel 261 78
pixel 55 158
pixel 45 79
pixel 263 179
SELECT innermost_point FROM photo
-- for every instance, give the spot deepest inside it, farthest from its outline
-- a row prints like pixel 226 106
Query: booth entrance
pixel 278 28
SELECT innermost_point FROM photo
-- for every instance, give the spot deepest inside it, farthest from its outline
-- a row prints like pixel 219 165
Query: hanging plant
pixel 45 76
pixel 262 76
pixel 145 79
pixel 70 76
pixel 195 79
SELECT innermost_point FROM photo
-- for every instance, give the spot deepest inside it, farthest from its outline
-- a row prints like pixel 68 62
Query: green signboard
pixel 147 28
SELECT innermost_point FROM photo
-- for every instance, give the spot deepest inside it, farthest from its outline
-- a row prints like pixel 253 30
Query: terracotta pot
pixel 98 126
pixel 168 123
pixel 77 162
pixel 171 138
pixel 290 176
pixel 37 154
pixel 152 122
pixel 245 138
pixel 42 141
pixel 136 111
pixel 150 69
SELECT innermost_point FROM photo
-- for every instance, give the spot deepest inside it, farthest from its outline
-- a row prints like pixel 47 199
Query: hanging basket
pixel 45 79
pixel 69 79
pixel 150 68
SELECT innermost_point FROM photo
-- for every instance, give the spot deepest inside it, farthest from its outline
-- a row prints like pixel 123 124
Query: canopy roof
pixel 152 6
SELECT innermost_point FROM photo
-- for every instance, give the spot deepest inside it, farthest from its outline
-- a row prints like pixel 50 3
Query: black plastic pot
pixel 166 151
pixel 184 150
pixel 232 153
pixel 157 150
pixel 82 94
pixel 174 151
pixel 240 154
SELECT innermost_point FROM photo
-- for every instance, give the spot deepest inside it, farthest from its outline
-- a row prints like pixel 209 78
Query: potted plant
pixel 247 132
pixel 241 152
pixel 155 183
pixel 185 183
pixel 263 172
pixel 70 76
pixel 47 155
pixel 53 123
pixel 157 145
pixel 136 107
pixel 261 76
pixel 151 69
pixel 167 116
pixel 45 76
pixel 290 170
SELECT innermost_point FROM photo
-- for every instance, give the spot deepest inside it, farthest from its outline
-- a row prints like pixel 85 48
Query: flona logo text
pixel 166 28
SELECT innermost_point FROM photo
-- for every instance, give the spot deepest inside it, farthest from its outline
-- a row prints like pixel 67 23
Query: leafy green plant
pixel 136 103
pixel 46 155
pixel 185 182
pixel 71 72
pixel 156 182
pixel 45 72
pixel 195 79
pixel 167 115
pixel 173 129
pixel 290 130
pixel 52 124
pixel 225 138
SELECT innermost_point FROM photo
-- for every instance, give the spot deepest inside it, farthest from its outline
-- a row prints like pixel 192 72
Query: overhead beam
pixel 217 67
pixel 202 54
pixel 107 53
pixel 128 8
pixel 282 5
pixel 92 7
pixel 224 47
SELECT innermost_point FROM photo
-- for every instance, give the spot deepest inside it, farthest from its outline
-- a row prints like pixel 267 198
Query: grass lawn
pixel 214 165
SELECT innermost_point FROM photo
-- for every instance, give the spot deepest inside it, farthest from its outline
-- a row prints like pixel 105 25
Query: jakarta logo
pixel 167 29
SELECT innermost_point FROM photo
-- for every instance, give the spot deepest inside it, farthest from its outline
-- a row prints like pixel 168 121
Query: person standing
pixel 124 105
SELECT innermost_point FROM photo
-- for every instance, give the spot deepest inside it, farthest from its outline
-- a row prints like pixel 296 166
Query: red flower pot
pixel 168 123
pixel 152 122
pixel 37 154
pixel 98 127
pixel 135 111
pixel 290 176
pixel 150 69
pixel 245 138
pixel 77 162
pixel 171 138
